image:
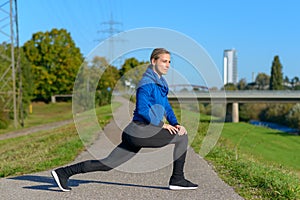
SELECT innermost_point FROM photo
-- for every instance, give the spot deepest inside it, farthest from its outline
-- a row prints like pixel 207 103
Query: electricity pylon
pixel 8 54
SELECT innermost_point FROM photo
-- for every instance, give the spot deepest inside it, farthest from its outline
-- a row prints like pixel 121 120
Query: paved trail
pixel 121 183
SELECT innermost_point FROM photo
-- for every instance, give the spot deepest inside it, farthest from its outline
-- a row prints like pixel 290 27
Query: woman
pixel 147 129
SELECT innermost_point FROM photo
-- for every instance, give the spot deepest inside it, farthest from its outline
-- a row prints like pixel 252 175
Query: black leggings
pixel 134 137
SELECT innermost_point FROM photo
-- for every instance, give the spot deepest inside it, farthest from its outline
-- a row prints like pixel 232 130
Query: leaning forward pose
pixel 147 129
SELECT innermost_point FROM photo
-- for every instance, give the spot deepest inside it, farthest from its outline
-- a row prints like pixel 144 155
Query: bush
pixel 103 97
pixel 3 121
pixel 251 111
pixel 293 117
pixel 276 113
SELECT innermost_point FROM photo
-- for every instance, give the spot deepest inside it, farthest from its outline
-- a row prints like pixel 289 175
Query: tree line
pixel 263 81
pixel 50 62
pixel 285 114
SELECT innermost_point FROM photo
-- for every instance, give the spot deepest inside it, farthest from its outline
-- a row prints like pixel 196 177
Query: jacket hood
pixel 151 77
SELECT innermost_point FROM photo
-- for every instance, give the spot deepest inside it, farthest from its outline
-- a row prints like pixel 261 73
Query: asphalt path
pixel 145 176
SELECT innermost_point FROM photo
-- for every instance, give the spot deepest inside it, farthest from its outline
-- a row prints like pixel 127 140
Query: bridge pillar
pixel 53 99
pixel 232 112
pixel 235 112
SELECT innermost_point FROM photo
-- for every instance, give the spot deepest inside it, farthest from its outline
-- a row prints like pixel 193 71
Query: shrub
pixel 103 97
pixel 276 113
pixel 3 121
pixel 251 111
pixel 293 117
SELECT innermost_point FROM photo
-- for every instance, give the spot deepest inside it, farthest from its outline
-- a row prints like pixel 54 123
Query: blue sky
pixel 257 29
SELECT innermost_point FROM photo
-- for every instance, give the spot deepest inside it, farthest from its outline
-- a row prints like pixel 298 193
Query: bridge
pixel 233 98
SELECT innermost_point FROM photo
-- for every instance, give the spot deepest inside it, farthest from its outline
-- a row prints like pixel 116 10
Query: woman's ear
pixel 153 61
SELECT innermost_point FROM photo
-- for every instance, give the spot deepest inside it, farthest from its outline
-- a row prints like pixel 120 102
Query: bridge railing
pixel 278 96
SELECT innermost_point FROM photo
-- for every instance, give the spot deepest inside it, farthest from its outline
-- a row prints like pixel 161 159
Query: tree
pixel 27 87
pixel 99 62
pixel 262 81
pixel 109 75
pixel 107 83
pixel 295 83
pixel 276 113
pixel 5 72
pixel 242 84
pixel 276 80
pixel 5 84
pixel 287 84
pixel 293 117
pixel 109 78
pixel 132 70
pixel 286 79
pixel 230 87
pixel 249 111
pixel 23 73
pixel 297 87
pixel 55 61
pixel 130 64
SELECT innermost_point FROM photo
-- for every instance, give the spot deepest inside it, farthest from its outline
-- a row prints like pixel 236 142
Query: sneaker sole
pixel 55 176
pixel 176 187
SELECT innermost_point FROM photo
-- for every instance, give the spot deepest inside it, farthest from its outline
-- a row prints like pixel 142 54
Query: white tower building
pixel 230 66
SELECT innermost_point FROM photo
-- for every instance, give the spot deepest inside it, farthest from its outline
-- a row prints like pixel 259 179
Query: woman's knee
pixel 183 138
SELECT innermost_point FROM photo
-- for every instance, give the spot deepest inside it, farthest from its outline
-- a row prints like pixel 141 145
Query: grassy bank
pixel 254 180
pixel 39 151
pixel 45 149
pixel 263 145
pixel 43 113
pixel 259 163
pixel 46 113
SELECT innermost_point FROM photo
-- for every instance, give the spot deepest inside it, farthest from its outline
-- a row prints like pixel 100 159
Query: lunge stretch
pixel 146 130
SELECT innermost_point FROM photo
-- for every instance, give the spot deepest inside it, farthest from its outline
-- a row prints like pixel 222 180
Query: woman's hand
pixel 170 128
pixel 181 130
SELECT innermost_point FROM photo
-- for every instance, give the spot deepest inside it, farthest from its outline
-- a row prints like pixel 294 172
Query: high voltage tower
pixel 10 96
pixel 111 30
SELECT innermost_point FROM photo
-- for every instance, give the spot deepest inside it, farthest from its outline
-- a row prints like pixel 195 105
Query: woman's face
pixel 162 64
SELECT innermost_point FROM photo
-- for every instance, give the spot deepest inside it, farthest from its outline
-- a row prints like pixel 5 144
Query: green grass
pixel 39 151
pixel 254 180
pixel 264 145
pixel 88 128
pixel 45 149
pixel 43 113
pixel 258 162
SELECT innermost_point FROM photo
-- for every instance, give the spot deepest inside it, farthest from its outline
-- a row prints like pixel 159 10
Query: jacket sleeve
pixel 142 105
pixel 144 108
pixel 170 116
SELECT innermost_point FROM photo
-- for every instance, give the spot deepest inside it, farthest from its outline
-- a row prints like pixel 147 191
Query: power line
pixel 111 31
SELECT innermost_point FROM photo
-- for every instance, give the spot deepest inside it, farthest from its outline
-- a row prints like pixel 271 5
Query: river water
pixel 275 126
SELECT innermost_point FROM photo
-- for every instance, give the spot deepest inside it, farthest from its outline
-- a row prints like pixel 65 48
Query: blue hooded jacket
pixel 152 101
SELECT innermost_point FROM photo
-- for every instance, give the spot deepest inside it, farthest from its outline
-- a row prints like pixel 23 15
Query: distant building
pixel 230 66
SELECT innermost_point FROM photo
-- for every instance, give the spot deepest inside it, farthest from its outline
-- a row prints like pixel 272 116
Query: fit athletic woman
pixel 147 129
